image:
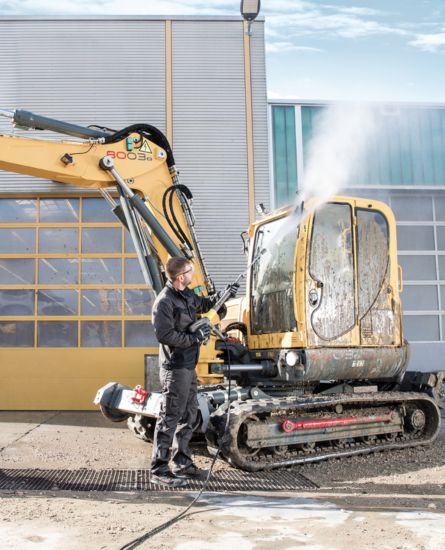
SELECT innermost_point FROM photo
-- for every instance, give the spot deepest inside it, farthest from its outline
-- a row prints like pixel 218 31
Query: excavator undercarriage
pixel 260 428
pixel 294 430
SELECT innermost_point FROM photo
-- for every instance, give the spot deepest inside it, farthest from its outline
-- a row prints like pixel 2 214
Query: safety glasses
pixel 183 272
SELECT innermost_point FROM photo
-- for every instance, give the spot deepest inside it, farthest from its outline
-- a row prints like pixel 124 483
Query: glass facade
pixel 407 151
pixel 285 154
pixel 408 147
pixel 420 230
pixel 69 277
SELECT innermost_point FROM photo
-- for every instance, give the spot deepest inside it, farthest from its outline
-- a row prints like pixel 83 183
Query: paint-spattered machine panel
pixel 350 300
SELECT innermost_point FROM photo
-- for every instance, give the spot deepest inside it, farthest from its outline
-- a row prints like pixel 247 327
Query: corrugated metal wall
pixel 112 72
pixel 105 72
pixel 209 136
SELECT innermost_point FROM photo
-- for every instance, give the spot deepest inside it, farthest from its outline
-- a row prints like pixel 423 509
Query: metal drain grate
pixel 138 480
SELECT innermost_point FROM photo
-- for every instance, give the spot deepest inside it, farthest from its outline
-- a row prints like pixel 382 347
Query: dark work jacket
pixel 173 312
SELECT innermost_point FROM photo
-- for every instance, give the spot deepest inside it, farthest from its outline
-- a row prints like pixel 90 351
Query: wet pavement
pixel 385 501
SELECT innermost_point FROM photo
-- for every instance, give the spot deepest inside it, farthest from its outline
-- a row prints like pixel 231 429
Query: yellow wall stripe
pixel 249 125
pixel 168 82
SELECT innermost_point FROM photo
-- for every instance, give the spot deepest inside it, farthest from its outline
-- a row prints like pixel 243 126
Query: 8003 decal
pixel 130 155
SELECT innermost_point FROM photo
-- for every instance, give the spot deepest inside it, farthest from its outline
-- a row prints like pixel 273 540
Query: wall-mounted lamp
pixel 249 10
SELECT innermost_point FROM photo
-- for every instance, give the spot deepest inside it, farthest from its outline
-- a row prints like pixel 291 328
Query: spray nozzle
pixel 299 208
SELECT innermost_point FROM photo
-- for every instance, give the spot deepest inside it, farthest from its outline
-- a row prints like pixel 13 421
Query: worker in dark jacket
pixel 175 309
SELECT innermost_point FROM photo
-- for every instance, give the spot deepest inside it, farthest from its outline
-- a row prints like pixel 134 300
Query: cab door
pixel 378 303
pixel 331 304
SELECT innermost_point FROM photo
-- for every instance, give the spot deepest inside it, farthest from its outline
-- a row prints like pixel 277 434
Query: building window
pixel 69 277
pixel 285 154
pixel 421 250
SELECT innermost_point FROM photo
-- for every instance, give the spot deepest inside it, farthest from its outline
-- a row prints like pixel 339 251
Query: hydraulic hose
pixel 168 213
pixel 27 119
pixel 150 132
pixel 175 219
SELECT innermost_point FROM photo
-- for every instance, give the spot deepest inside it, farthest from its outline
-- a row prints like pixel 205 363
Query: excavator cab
pixel 326 284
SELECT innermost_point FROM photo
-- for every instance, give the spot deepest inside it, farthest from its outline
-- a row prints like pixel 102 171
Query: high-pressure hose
pixel 137 542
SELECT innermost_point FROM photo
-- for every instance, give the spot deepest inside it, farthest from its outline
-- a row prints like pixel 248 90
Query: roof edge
pixel 324 102
pixel 125 18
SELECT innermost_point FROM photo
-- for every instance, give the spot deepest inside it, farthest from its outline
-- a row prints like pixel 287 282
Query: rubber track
pixel 294 406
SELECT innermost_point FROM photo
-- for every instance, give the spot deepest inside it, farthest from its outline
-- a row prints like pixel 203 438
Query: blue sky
pixel 362 50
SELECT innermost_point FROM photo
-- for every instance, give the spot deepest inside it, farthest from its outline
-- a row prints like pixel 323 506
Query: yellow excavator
pixel 314 352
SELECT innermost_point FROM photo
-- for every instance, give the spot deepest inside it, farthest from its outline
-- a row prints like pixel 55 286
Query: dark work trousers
pixel 174 427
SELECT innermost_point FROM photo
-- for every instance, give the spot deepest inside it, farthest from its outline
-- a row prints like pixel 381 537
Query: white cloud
pixel 285 6
pixel 429 42
pixel 271 94
pixel 284 17
pixel 340 25
pixel 280 47
pixel 359 11
pixel 287 21
pixel 118 7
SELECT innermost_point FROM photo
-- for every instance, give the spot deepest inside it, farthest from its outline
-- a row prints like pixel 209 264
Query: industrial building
pixel 74 310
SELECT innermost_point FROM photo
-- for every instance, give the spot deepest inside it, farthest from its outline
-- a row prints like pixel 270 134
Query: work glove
pixel 203 333
pixel 233 289
pixel 201 329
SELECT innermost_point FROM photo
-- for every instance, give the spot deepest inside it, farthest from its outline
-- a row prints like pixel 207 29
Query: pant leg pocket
pixel 170 403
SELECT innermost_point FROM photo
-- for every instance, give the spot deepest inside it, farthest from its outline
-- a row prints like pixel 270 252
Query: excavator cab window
pixel 272 300
pixel 331 268
pixel 372 256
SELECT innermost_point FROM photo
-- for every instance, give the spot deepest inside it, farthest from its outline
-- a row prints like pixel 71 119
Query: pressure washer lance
pixel 207 318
